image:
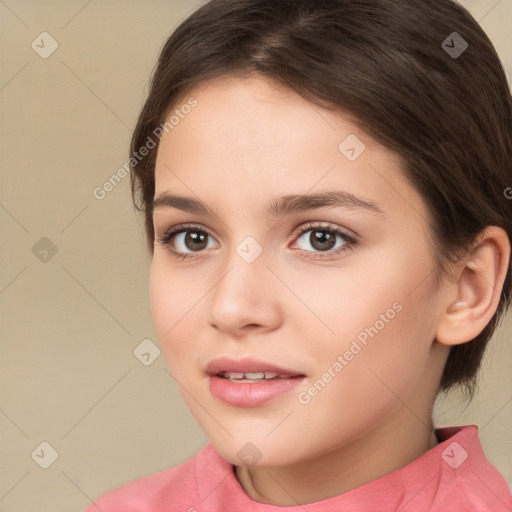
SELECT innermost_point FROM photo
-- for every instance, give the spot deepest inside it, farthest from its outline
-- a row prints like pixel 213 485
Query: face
pixel 338 291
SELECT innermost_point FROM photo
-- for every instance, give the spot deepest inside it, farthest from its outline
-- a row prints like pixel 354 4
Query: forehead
pixel 246 135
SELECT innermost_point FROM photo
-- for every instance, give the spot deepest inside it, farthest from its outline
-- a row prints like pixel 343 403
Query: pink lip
pixel 246 365
pixel 250 394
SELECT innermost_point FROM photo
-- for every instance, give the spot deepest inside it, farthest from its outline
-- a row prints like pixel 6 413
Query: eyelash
pixel 165 239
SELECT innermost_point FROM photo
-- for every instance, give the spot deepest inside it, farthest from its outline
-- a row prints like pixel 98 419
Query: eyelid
pixel 319 225
pixel 180 228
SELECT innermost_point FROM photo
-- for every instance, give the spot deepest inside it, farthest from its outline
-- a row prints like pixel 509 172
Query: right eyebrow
pixel 187 204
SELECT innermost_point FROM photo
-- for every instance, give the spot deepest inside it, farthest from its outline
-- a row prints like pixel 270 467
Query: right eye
pixel 183 241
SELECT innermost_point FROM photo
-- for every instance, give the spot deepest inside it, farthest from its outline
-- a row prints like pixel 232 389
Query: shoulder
pixel 165 491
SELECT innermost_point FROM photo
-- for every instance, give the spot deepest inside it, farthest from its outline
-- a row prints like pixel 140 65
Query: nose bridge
pixel 244 294
pixel 244 268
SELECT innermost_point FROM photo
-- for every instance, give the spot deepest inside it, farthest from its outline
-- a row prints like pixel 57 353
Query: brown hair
pixel 397 68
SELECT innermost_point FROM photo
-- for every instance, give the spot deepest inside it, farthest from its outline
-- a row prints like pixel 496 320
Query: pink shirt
pixel 454 476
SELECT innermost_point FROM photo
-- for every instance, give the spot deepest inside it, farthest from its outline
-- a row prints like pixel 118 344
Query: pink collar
pixel 454 476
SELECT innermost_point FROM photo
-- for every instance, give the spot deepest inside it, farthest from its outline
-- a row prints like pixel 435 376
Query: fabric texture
pixel 454 476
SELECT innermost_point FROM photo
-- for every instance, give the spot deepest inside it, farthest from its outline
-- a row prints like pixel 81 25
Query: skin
pixel 249 140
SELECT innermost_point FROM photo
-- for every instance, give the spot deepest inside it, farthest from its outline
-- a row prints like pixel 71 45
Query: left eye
pixel 323 239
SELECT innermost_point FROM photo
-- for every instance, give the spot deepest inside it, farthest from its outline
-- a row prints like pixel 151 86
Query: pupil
pixel 322 237
pixel 195 237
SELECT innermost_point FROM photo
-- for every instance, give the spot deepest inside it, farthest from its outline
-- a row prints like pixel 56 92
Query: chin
pixel 244 453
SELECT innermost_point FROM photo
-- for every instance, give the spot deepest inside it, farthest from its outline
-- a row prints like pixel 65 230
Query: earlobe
pixel 478 288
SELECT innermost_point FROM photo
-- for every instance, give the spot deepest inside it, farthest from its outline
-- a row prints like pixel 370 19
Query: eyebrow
pixel 277 206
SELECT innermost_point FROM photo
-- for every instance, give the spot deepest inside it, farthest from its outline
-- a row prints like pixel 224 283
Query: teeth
pixel 252 376
pixel 233 375
pixel 259 375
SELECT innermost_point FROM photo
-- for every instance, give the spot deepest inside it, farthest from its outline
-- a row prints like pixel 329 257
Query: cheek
pixel 161 301
pixel 393 357
pixel 174 309
pixel 376 313
pixel 380 373
pixel 367 290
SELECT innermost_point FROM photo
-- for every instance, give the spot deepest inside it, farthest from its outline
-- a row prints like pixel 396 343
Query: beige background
pixel 70 325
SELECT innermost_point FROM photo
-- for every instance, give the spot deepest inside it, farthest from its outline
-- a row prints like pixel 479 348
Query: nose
pixel 246 296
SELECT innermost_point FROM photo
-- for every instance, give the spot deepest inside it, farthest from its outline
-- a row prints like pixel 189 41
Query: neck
pixel 385 448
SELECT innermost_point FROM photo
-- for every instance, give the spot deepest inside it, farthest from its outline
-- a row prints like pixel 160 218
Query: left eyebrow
pixel 277 206
pixel 284 205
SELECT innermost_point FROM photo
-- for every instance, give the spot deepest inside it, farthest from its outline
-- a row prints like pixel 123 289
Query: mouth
pixel 250 382
pixel 248 369
pixel 255 376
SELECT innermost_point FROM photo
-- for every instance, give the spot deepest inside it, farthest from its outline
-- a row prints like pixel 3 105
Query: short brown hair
pixel 396 66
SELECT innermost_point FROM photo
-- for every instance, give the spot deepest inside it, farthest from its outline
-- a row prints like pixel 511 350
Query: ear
pixel 477 288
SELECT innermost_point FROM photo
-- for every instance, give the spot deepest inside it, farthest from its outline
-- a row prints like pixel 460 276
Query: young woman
pixel 324 187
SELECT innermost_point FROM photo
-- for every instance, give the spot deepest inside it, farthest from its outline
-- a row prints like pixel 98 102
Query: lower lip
pixel 251 394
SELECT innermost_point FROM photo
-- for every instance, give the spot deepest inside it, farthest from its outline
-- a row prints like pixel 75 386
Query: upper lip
pixel 246 365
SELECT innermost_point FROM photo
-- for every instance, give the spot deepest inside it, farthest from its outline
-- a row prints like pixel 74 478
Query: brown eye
pixel 323 239
pixel 184 241
pixel 195 240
